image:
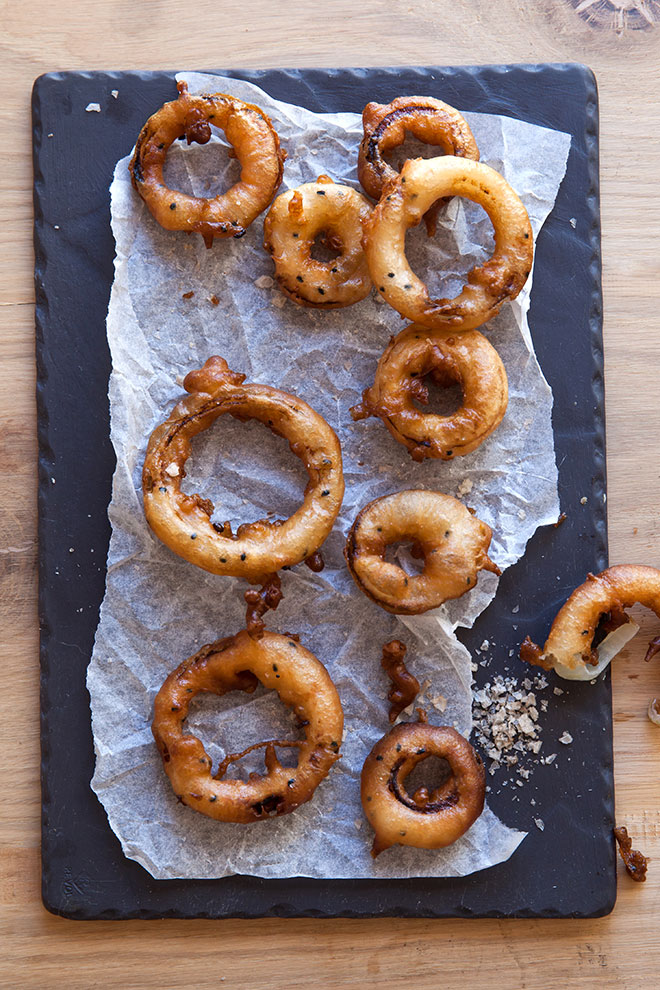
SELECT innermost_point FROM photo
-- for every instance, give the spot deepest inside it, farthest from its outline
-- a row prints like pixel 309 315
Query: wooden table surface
pixel 621 42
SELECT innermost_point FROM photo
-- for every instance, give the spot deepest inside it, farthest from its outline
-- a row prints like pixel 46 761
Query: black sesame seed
pixel 447 533
pixel 274 666
pixel 379 758
pixel 320 192
pixel 291 782
pixel 402 833
pixel 243 556
pixel 449 453
pixel 175 708
pixel 193 536
pixel 299 278
pixel 293 644
pixel 398 748
pixel 379 529
pixel 213 798
pixel 162 489
pixel 410 287
pixel 321 292
pixel 295 235
pixel 526 237
pixel 390 274
pixel 173 206
pixel 469 581
pixel 369 797
pixel 382 288
pixel 326 491
pixel 422 750
pixel 223 560
pixel 334 270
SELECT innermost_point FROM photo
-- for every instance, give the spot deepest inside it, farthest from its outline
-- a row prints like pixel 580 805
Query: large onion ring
pixel 405 201
pixel 466 358
pixel 452 542
pixel 255 144
pixel 568 649
pixel 295 219
pixel 183 522
pixel 385 128
pixel 237 663
pixel 427 821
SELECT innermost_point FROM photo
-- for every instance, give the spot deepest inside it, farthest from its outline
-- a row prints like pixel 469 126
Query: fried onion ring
pixel 385 128
pixel 183 522
pixel 255 144
pixel 427 821
pixel 238 663
pixel 466 358
pixel 405 201
pixel 295 219
pixel 568 649
pixel 452 542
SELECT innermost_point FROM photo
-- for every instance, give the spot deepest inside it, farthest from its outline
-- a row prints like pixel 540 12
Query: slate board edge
pixel 284 908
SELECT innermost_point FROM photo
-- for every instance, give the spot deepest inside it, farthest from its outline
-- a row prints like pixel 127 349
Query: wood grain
pixel 622 951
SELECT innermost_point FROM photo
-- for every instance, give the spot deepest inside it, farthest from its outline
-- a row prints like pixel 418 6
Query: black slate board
pixel 566 870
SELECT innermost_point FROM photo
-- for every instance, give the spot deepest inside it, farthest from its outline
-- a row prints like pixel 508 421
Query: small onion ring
pixel 183 521
pixel 237 663
pixel 385 127
pixel 421 820
pixel 255 144
pixel 568 649
pixel 406 199
pixel 466 358
pixel 452 541
pixel 295 219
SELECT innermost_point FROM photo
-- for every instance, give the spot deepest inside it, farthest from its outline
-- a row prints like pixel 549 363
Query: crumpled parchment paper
pixel 158 609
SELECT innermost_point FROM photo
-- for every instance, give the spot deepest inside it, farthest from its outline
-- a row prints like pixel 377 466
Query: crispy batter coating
pixel 404 202
pixel 451 541
pixel 425 820
pixel 293 222
pixel 385 128
pixel 183 522
pixel 405 686
pixel 467 359
pixel 569 649
pixel 636 864
pixel 255 145
pixel 237 664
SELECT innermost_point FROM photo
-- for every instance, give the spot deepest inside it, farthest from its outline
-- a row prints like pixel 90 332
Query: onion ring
pixel 466 358
pixel 427 821
pixel 385 127
pixel 568 649
pixel 453 543
pixel 183 522
pixel 404 202
pixel 291 225
pixel 254 141
pixel 237 663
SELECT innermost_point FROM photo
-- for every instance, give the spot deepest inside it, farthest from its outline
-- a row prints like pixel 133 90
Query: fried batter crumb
pixel 636 864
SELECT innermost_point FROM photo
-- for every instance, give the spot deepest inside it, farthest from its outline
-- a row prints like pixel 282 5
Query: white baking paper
pixel 158 609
